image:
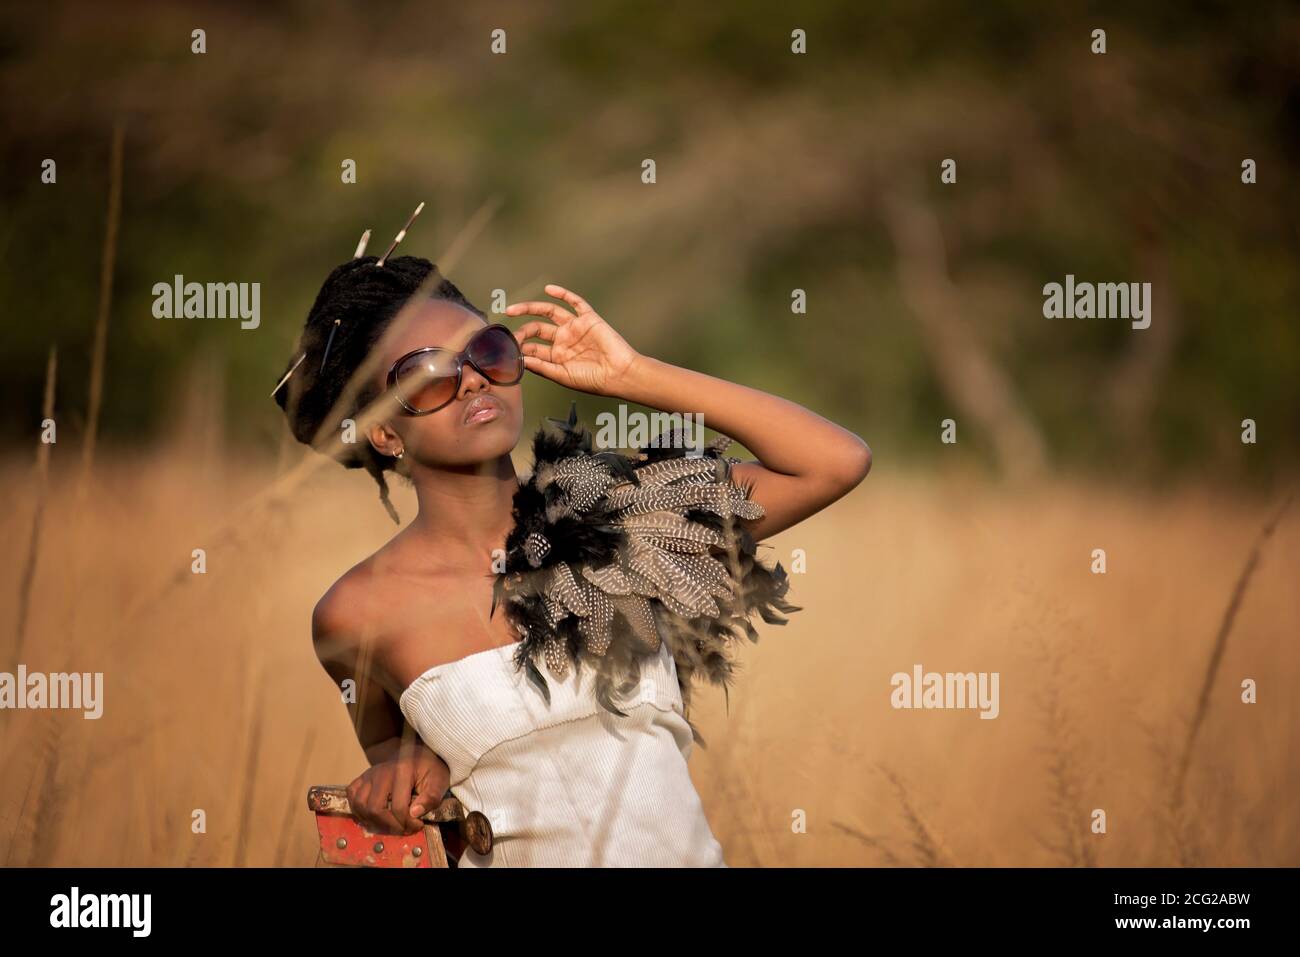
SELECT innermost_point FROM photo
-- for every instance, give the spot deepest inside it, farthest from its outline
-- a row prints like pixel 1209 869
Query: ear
pixel 384 440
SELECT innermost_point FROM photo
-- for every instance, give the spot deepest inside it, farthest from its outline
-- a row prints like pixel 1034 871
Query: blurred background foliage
pixel 775 172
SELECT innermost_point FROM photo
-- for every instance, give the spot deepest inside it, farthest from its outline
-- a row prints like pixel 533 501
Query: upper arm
pixel 789 499
pixel 345 650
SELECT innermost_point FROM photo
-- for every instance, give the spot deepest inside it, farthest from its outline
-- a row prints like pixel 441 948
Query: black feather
pixel 589 534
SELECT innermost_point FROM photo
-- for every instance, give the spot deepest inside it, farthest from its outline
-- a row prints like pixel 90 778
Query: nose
pixel 471 381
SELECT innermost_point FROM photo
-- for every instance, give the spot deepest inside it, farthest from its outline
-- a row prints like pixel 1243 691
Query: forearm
pixel 389 749
pixel 778 432
pixel 382 751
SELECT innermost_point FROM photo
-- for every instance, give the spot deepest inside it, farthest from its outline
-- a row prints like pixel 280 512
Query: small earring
pixel 401 452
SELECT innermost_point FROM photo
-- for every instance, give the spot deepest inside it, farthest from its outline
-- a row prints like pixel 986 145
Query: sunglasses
pixel 428 379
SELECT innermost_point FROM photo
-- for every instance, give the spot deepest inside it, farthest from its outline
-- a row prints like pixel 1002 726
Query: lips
pixel 482 408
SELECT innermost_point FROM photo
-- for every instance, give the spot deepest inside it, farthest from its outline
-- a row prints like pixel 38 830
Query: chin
pixel 493 439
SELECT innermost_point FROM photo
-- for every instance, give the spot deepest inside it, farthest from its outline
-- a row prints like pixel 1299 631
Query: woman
pixel 409 629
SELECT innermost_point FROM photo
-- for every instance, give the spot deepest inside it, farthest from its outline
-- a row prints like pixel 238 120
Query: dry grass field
pixel 214 700
pixel 775 172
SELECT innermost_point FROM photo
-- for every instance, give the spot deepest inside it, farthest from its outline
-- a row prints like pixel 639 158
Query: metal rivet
pixel 341 843
pixel 379 847
pixel 417 852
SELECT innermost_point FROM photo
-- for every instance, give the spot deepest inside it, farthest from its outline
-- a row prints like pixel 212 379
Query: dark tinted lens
pixel 496 354
pixel 427 380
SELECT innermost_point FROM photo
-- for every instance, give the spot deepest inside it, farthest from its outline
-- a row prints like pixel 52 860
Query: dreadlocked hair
pixel 356 304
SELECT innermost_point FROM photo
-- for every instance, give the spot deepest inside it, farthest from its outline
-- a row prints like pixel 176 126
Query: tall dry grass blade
pixel 247 810
pixel 929 848
pixel 38 519
pixel 108 260
pixel 46 832
pixel 875 843
pixel 199 416
pixel 1179 823
pixel 739 791
pixel 1221 644
pixel 195 856
pixel 1063 768
pixel 95 389
pixel 40 788
pixel 294 806
pixel 12 841
pixel 770 855
pixel 469 232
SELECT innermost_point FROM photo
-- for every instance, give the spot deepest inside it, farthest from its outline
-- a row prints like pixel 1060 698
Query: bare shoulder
pixel 338 620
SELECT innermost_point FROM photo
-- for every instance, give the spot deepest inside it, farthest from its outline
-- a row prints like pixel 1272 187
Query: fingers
pixel 550 310
pixel 579 304
pixel 359 796
pixel 536 330
pixel 544 367
pixel 430 786
pixel 369 796
pixel 546 310
pixel 403 785
pixel 536 349
pixel 538 359
pixel 382 819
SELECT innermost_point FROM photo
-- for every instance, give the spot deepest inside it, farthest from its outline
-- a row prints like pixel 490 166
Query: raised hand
pixel 582 351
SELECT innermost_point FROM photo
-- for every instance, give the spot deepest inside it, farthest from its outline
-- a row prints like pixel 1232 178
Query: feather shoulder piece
pixel 611 555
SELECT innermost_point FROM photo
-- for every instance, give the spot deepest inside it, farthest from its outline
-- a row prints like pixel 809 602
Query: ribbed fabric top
pixel 569 784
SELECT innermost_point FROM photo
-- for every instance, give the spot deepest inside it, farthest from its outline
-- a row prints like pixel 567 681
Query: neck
pixel 465 510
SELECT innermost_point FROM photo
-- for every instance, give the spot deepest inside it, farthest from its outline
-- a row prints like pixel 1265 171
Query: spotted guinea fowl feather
pixel 611 555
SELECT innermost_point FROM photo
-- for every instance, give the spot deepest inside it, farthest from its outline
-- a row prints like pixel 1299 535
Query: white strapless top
pixel 569 785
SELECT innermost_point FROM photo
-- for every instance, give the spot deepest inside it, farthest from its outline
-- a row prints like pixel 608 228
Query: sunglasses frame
pixel 461 358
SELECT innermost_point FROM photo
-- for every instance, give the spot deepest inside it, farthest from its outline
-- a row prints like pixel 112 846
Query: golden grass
pixel 39 490
pixel 107 265
pixel 214 699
